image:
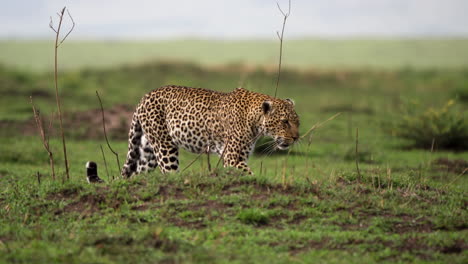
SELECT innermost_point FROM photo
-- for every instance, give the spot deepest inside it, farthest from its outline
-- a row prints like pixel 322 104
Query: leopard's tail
pixel 140 156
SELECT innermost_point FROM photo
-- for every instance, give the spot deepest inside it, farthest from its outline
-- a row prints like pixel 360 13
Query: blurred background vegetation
pixel 377 91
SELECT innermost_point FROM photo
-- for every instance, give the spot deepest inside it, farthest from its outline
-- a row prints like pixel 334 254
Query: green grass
pixel 300 53
pixel 305 206
pixel 201 218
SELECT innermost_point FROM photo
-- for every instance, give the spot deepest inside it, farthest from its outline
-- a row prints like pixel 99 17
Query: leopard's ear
pixel 291 101
pixel 267 107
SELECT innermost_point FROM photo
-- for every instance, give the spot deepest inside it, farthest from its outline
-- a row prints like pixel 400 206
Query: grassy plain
pixel 299 53
pixel 307 206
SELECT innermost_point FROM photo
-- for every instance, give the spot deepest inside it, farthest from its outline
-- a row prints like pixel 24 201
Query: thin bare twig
pixel 208 160
pixel 320 124
pixel 50 126
pixel 105 133
pixel 105 164
pixel 71 29
pixel 44 137
pixel 456 178
pixel 281 10
pixel 223 153
pixel 357 155
pixel 51 25
pixel 280 36
pixel 57 97
pixel 208 146
pixel 38 176
pixel 193 161
pixel 197 157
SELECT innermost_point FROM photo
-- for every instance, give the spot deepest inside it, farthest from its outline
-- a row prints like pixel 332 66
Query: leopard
pixel 205 121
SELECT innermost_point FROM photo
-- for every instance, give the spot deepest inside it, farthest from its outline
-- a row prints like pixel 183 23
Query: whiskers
pixel 255 139
pixel 271 146
pixel 267 148
pixel 265 143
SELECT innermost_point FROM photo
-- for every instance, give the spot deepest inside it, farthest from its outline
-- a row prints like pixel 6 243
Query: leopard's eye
pixel 284 121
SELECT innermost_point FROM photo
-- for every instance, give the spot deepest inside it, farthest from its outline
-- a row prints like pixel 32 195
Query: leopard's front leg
pixel 244 167
pixel 236 156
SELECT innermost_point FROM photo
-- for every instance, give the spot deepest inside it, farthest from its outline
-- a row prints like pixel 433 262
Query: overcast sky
pixel 130 19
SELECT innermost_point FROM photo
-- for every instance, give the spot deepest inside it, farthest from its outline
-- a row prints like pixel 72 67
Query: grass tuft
pixel 253 216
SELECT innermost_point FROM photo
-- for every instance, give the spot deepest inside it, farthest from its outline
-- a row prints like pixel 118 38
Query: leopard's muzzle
pixel 285 142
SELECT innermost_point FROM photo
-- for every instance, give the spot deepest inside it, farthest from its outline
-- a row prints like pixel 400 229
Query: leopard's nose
pixel 296 137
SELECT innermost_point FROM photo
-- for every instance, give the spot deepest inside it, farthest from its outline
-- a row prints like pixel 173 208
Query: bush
pixel 462 94
pixel 447 127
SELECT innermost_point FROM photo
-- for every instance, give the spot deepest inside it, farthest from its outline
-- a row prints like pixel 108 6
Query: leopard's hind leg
pixel 140 156
pixel 147 161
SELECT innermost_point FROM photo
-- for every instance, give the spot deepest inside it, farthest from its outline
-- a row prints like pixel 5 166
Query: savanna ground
pixel 306 206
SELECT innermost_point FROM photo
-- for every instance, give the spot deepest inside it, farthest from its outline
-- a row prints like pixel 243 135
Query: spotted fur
pixel 201 121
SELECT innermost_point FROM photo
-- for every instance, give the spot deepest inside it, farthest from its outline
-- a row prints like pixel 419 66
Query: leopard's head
pixel 280 121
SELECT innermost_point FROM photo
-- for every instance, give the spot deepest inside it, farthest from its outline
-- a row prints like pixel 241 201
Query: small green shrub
pixel 446 127
pixel 462 94
pixel 253 217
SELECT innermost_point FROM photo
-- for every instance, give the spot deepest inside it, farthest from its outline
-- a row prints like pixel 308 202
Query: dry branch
pixel 105 164
pixel 221 158
pixel 193 161
pixel 320 124
pixel 57 97
pixel 38 176
pixel 208 160
pixel 105 133
pixel 280 36
pixel 71 29
pixel 357 155
pixel 44 137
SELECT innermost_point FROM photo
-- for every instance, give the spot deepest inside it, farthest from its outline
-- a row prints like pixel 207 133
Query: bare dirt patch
pixel 34 93
pixel 87 204
pixel 141 207
pixel 419 247
pixel 68 193
pixel 265 190
pixel 191 224
pixel 412 224
pixel 458 166
pixel 415 245
pixel 211 205
pixel 211 209
pixel 84 124
pixel 117 118
pixel 154 241
pixel 171 192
